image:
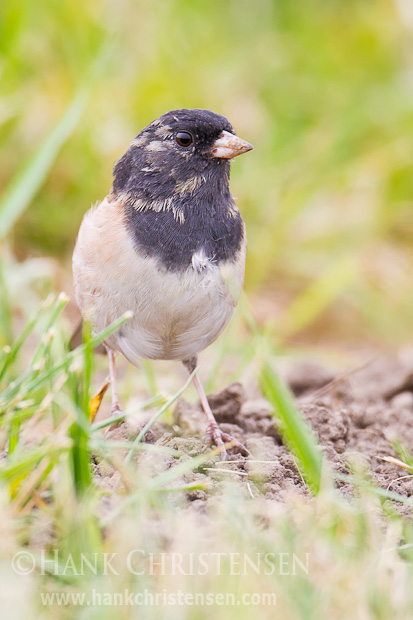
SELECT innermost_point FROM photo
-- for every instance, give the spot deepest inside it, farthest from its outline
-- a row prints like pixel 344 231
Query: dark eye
pixel 184 138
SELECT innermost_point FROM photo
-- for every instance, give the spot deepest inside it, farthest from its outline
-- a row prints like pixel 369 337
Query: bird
pixel 168 244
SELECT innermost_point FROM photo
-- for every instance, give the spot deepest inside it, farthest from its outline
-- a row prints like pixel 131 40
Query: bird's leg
pixel 216 435
pixel 116 408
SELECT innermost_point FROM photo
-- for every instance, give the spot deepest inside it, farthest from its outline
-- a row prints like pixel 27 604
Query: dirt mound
pixel 359 416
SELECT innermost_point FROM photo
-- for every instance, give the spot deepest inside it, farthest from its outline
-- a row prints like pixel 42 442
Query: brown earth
pixel 358 416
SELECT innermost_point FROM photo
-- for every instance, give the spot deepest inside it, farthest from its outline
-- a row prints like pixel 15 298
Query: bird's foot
pixel 219 438
pixel 115 412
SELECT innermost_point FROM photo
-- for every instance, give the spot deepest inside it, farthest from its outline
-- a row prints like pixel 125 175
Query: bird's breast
pixel 176 312
pixel 175 233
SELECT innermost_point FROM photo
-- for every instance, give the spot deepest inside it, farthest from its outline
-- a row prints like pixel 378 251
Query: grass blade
pixel 20 340
pixel 295 431
pixel 29 178
pixel 159 413
pixel 155 401
pixel 27 181
pixel 40 379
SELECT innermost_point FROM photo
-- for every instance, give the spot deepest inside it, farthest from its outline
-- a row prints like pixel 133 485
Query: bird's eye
pixel 184 138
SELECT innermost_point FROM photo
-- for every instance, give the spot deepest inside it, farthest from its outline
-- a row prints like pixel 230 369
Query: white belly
pixel 175 314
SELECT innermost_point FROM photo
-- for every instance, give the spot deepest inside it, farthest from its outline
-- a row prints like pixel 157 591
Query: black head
pixel 179 151
pixel 174 183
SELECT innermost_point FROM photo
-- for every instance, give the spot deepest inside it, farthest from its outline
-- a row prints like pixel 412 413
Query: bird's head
pixel 177 154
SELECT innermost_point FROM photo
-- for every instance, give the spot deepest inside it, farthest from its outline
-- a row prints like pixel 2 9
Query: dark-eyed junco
pixel 167 243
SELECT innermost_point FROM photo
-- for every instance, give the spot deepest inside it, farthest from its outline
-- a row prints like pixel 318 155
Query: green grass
pixel 351 556
pixel 323 91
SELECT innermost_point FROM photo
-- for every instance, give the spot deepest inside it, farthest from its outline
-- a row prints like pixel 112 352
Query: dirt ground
pixel 358 417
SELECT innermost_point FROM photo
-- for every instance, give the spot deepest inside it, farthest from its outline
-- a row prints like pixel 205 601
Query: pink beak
pixel 228 146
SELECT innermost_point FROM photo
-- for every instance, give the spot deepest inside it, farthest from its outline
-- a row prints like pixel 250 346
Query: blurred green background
pixel 324 91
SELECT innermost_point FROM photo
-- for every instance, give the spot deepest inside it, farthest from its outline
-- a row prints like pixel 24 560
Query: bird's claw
pixel 219 438
pixel 115 411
